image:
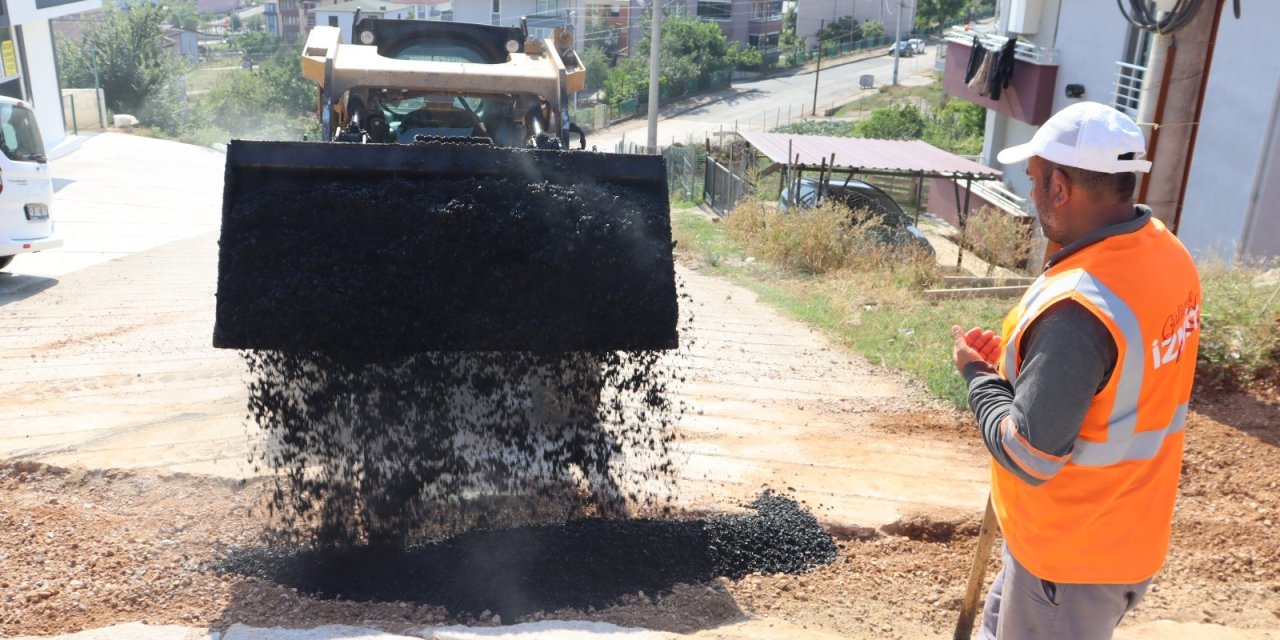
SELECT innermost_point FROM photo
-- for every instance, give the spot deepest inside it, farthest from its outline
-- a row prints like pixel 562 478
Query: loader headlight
pixel 366 37
pixel 512 46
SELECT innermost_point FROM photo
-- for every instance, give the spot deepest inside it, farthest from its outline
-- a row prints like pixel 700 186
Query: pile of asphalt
pixel 384 250
pixel 578 564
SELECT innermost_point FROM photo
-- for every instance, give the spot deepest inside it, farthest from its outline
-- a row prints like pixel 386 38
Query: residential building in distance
pixel 541 15
pixel 343 15
pixel 1225 146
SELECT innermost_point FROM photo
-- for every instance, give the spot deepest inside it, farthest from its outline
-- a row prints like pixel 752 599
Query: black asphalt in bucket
pixel 383 250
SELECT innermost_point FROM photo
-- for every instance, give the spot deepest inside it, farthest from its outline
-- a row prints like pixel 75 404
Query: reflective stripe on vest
pixel 1122 443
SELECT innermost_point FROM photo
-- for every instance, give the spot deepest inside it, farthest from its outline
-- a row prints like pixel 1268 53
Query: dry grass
pixel 822 240
pixel 999 238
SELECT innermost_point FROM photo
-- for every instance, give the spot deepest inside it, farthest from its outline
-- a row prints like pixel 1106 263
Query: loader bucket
pixel 385 250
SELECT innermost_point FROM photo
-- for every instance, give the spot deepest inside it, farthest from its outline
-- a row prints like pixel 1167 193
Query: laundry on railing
pixel 990 71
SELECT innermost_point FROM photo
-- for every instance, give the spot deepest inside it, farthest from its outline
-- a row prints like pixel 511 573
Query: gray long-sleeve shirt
pixel 1068 356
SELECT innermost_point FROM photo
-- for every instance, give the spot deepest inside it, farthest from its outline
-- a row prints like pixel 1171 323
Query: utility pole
pixel 1170 110
pixel 897 47
pixel 653 75
pixel 821 25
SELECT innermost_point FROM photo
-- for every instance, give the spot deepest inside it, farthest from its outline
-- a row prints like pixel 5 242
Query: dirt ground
pixel 86 549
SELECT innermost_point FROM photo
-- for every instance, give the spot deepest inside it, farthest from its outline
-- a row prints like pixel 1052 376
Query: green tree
pixel 898 122
pixel 128 46
pixel 234 20
pixel 691 49
pixel 872 29
pixel 267 100
pixel 600 33
pixel 957 127
pixel 256 23
pixel 596 61
pixel 184 14
pixel 843 27
pixel 932 14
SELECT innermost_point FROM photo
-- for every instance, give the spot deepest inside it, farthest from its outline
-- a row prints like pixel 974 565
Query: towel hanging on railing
pixel 1002 74
pixel 976 53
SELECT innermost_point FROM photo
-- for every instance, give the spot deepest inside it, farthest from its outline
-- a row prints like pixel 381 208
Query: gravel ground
pixel 90 549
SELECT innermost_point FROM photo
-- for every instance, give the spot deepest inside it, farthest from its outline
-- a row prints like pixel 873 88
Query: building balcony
pixel 764 27
pixel 1029 96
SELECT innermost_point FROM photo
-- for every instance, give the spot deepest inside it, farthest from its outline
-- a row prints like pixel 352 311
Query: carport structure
pixel 833 159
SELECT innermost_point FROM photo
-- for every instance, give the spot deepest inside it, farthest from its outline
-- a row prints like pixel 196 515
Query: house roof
pixel 864 154
pixel 365 6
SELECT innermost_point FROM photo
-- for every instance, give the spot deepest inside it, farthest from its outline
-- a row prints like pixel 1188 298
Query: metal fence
pixel 723 188
pixel 684 171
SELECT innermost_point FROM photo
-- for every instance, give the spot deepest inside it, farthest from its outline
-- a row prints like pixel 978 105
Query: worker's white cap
pixel 1085 135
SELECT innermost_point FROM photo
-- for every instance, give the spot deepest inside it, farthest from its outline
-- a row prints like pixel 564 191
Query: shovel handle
pixel 969 608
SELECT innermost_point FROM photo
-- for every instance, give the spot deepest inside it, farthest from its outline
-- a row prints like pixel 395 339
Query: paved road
pixel 765 103
pixel 119 195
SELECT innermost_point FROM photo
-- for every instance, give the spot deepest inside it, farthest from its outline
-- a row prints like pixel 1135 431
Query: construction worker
pixel 1082 397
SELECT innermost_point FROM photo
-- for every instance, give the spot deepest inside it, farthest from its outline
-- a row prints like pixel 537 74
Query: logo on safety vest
pixel 1178 327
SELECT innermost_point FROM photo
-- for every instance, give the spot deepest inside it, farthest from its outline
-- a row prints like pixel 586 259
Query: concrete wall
pixel 811 13
pixel 1262 231
pixel 1232 146
pixel 90 110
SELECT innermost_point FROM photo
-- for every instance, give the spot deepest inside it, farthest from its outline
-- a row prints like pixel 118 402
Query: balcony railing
pixel 1024 50
pixel 1128 87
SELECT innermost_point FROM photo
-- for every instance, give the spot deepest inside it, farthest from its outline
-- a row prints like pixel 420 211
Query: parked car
pixel 864 199
pixel 26 189
pixel 905 49
pixel 917 45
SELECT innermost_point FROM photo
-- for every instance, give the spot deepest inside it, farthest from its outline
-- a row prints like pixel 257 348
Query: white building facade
pixel 1075 50
pixel 28 67
pixel 343 15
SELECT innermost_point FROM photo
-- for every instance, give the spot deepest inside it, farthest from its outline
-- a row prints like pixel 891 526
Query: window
pixel 715 9
pixel 544 7
pixel 766 9
pixel 333 21
pixel 19 136
pixel 763 42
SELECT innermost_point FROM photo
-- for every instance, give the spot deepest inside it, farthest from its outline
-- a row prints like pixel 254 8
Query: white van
pixel 26 189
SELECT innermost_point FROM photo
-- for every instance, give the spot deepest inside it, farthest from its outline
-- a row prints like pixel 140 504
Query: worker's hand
pixel 975 344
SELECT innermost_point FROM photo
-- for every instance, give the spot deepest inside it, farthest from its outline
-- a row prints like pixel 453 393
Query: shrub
pixel 1239 331
pixel 818 240
pixel 898 122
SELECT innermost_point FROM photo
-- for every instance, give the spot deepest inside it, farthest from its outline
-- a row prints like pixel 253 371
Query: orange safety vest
pixel 1105 517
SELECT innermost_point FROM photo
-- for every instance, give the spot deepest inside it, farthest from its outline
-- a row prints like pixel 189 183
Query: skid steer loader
pixel 444 293
pixel 444 209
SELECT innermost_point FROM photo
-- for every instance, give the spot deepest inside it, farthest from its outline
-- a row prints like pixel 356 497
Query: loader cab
pixel 400 116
